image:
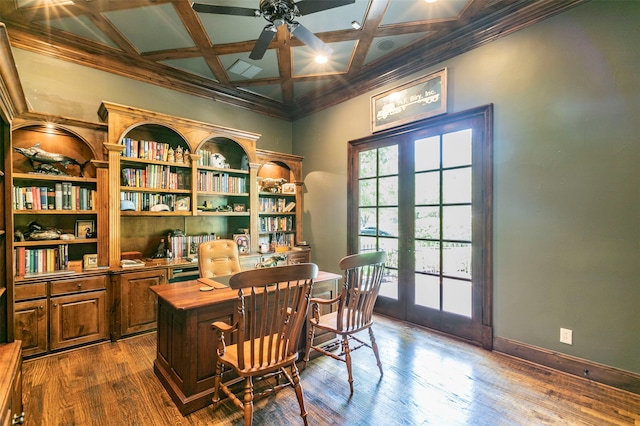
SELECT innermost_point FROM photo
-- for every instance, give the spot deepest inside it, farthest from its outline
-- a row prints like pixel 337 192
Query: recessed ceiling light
pixel 244 69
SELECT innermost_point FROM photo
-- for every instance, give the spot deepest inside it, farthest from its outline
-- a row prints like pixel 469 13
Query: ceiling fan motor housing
pixel 279 12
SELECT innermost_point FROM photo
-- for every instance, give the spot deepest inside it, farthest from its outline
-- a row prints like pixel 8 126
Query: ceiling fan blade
pixel 262 44
pixel 224 10
pixel 311 6
pixel 310 39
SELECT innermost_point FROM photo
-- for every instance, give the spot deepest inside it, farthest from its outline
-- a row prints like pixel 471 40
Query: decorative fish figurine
pixel 37 154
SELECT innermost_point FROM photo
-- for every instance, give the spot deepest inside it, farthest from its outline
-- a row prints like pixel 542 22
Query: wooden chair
pixel 272 310
pixel 218 257
pixel 353 308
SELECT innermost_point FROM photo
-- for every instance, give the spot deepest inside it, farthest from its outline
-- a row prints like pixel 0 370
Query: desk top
pixel 187 294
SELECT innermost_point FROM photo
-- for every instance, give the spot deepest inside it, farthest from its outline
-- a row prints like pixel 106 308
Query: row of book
pixel 147 150
pixel 156 177
pixel 143 201
pixel 275 224
pixel 276 205
pixel 209 159
pixel 41 260
pixel 221 182
pixel 186 246
pixel 62 196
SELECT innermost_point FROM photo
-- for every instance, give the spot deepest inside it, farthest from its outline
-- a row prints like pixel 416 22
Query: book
pixel 58 196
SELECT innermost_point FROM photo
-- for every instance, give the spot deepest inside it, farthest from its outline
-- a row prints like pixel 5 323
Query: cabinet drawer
pixel 298 257
pixel 30 291
pixel 78 285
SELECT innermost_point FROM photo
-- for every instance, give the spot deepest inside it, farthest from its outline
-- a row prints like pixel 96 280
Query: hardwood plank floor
pixel 429 379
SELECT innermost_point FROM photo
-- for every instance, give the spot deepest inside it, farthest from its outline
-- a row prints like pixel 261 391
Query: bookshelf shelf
pixel 48 178
pixel 41 243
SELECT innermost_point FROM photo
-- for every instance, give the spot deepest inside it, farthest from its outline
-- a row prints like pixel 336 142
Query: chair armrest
pixel 321 301
pixel 221 328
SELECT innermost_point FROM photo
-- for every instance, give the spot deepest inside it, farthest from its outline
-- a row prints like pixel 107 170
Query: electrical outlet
pixel 566 336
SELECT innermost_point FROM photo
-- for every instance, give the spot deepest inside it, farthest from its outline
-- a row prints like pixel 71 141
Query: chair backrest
pixel 218 257
pixel 272 309
pixel 363 275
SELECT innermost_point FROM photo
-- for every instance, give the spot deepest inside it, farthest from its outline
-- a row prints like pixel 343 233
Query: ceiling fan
pixel 278 13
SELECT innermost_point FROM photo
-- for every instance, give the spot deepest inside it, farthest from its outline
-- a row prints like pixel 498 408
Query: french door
pixel 423 193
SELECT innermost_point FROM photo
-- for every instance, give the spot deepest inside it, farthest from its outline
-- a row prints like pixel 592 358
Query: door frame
pixel 480 328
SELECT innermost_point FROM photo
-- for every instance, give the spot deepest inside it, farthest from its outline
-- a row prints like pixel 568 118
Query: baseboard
pixel 610 376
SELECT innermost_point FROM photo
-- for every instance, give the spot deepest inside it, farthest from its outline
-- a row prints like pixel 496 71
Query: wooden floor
pixel 429 379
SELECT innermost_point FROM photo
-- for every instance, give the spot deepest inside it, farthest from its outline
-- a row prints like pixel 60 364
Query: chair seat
pixel 329 322
pixel 230 358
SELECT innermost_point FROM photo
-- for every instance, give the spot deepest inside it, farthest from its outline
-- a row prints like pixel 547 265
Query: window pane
pixel 427 291
pixel 367 161
pixel 427 188
pixel 388 222
pixel 456 297
pixel 427 154
pixel 388 191
pixel 456 186
pixel 456 223
pixel 367 219
pixel 456 149
pixel 427 223
pixel 388 160
pixel 427 256
pixel 456 260
pixel 367 192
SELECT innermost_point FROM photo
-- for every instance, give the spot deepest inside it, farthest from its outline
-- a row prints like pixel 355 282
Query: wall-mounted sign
pixel 417 99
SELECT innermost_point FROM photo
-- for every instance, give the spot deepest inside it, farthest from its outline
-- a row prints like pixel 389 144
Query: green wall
pixel 69 90
pixel 566 94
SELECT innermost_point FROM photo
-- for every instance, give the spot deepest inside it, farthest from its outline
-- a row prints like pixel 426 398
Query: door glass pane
pixel 367 244
pixel 456 296
pixel 388 160
pixel 388 191
pixel 456 148
pixel 427 154
pixel 367 160
pixel 456 186
pixel 427 291
pixel 388 222
pixel 367 220
pixel 390 245
pixel 368 192
pixel 427 188
pixel 456 223
pixel 456 260
pixel 389 285
pixel 427 223
pixel 427 256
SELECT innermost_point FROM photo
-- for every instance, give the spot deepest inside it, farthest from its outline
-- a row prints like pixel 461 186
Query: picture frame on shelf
pixel 288 188
pixel 244 243
pixel 239 207
pixel 85 229
pixel 89 261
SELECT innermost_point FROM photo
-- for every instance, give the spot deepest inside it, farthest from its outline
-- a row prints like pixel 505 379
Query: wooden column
pixel 113 191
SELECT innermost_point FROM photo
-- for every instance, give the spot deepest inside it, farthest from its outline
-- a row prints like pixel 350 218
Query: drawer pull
pixel 18 419
pixel 79 285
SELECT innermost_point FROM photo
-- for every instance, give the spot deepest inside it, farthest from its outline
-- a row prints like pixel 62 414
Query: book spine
pixel 58 196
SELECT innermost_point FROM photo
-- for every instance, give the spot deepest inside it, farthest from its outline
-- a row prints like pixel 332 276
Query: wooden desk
pixel 186 343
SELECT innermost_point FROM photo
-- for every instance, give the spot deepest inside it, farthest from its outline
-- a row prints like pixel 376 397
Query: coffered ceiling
pixel 165 42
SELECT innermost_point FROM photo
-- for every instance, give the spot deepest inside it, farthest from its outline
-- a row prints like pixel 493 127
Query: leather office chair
pixel 352 309
pixel 218 257
pixel 270 320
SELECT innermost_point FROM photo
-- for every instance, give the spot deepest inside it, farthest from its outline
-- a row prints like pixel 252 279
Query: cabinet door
pixel 78 318
pixel 139 304
pixel 30 326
